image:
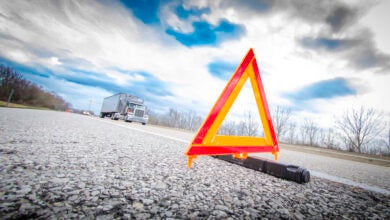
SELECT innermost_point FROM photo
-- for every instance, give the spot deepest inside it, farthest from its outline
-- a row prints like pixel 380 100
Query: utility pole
pixel 10 96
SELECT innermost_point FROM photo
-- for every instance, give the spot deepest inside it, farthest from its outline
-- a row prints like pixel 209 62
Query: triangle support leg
pixel 190 159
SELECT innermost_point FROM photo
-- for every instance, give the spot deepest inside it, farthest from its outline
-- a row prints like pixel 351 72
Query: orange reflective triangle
pixel 207 142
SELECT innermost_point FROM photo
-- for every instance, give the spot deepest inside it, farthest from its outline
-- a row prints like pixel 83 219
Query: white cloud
pixel 377 20
pixel 17 56
pixel 100 37
pixel 54 61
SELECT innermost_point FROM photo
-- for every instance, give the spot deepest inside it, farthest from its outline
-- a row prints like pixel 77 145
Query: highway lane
pixel 368 176
pixel 63 165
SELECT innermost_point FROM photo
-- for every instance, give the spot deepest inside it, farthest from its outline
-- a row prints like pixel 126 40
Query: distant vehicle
pixel 123 106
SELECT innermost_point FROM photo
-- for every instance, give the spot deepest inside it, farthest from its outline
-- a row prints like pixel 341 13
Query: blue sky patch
pixel 256 5
pixel 222 69
pixel 146 89
pixel 93 80
pixel 325 89
pixel 151 84
pixel 22 69
pixel 144 10
pixel 206 34
pixel 325 43
pixel 183 13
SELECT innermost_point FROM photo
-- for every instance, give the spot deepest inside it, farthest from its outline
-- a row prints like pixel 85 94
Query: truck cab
pixel 124 106
pixel 136 111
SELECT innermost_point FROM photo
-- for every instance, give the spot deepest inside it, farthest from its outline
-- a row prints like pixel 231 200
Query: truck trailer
pixel 124 106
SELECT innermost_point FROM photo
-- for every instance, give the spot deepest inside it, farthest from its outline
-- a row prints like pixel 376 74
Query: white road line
pixel 148 132
pixel 348 155
pixel 349 182
pixel 312 172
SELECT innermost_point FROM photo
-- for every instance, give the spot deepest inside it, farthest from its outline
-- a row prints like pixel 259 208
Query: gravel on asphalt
pixel 63 165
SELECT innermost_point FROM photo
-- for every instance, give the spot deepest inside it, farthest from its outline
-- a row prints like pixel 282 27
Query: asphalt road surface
pixel 366 173
pixel 63 165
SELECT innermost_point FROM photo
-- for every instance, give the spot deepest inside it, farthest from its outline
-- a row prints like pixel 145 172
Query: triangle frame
pixel 207 142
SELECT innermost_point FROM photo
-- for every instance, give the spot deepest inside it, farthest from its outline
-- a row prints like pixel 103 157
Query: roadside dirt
pixel 363 158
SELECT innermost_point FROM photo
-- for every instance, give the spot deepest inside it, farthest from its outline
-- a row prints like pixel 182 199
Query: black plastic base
pixel 280 170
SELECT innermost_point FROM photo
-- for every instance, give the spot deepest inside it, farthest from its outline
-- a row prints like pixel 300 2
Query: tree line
pixel 361 130
pixel 16 89
pixel 190 120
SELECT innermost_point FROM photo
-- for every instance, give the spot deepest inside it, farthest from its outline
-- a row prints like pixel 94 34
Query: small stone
pixel 126 216
pixel 138 206
pixel 253 212
pixel 81 185
pixel 59 180
pixel 194 215
pixel 227 199
pixel 284 212
pixel 219 214
pixel 25 189
pixel 298 215
pixel 222 208
pixel 204 213
pixel 60 175
pixel 25 208
pixel 147 201
pixel 115 194
pixel 73 198
pixel 5 205
pixel 95 193
pixel 154 209
pixel 161 186
pixel 104 217
pixel 74 192
pixel 312 212
pixel 107 207
pixel 142 216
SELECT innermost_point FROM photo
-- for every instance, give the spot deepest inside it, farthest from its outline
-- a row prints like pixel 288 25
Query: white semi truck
pixel 124 106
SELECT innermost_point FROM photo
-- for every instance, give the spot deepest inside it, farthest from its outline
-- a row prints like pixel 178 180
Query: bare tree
pixel 182 122
pixel 241 128
pixel 328 138
pixel 248 126
pixel 388 143
pixel 154 118
pixel 252 127
pixel 26 92
pixel 387 136
pixel 312 131
pixel 303 134
pixel 173 118
pixel 193 120
pixel 358 127
pixel 280 118
pixel 292 133
pixel 228 128
pixel 309 132
pixel 176 119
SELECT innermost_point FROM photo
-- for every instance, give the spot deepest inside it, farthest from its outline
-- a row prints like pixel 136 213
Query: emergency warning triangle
pixel 207 142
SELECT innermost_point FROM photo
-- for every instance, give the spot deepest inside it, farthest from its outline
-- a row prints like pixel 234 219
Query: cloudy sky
pixel 316 57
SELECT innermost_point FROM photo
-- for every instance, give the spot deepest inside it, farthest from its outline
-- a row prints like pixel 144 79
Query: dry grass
pixel 364 158
pixel 13 105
